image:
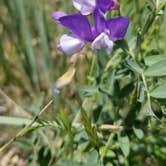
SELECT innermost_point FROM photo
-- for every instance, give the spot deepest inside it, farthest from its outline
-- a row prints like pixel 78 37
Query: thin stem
pixel 26 128
pixel 145 29
pixel 107 145
pixel 92 66
pixel 146 86
pixel 111 127
pixel 148 94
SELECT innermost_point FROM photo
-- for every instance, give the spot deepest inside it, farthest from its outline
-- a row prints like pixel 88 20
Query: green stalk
pixel 144 31
pixel 27 41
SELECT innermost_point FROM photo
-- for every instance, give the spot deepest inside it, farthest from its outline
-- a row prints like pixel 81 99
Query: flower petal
pixel 104 5
pixel 118 27
pixel 78 25
pixel 103 41
pixel 57 15
pixel 70 44
pixel 85 6
pixel 99 22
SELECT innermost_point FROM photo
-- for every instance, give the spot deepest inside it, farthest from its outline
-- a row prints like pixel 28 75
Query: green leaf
pixel 134 66
pixel 147 109
pixel 6 120
pixel 66 162
pixel 138 132
pixel 92 159
pixel 157 69
pixel 109 153
pixel 124 144
pixel 150 60
pixel 159 92
pixel 161 4
pixel 88 91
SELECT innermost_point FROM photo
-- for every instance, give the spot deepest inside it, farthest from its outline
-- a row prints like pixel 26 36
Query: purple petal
pixel 70 44
pixel 99 22
pixel 78 25
pixel 94 32
pixel 57 15
pixel 118 27
pixel 102 41
pixel 104 5
pixel 115 5
pixel 85 6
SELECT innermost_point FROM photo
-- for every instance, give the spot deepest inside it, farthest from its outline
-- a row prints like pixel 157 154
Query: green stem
pixel 92 67
pixel 107 146
pixel 148 95
pixel 25 129
pixel 145 29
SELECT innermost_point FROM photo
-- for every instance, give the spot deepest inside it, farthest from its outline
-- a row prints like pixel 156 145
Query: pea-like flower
pixel 88 6
pixel 101 35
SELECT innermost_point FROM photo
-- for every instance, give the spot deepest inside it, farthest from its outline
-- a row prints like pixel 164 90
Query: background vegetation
pixel 113 112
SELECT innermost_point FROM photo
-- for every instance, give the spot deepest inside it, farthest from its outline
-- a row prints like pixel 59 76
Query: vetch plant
pixel 101 35
pixel 112 111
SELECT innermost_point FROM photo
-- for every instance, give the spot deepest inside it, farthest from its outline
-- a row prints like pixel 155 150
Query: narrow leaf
pixel 134 66
pixel 6 120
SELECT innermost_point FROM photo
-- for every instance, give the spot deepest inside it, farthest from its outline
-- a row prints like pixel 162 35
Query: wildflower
pixel 101 35
pixel 88 6
pixel 80 30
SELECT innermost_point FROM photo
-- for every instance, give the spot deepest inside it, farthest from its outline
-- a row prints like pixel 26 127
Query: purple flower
pixel 88 6
pixel 101 35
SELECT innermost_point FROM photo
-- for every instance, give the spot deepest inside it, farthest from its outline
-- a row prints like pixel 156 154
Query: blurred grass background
pixel 30 62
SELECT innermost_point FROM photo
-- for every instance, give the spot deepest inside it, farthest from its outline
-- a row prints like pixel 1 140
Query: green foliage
pixel 157 69
pixel 124 144
pixel 113 113
pixel 159 92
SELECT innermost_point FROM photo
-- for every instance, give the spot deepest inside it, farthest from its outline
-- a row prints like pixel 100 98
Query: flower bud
pixel 116 5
